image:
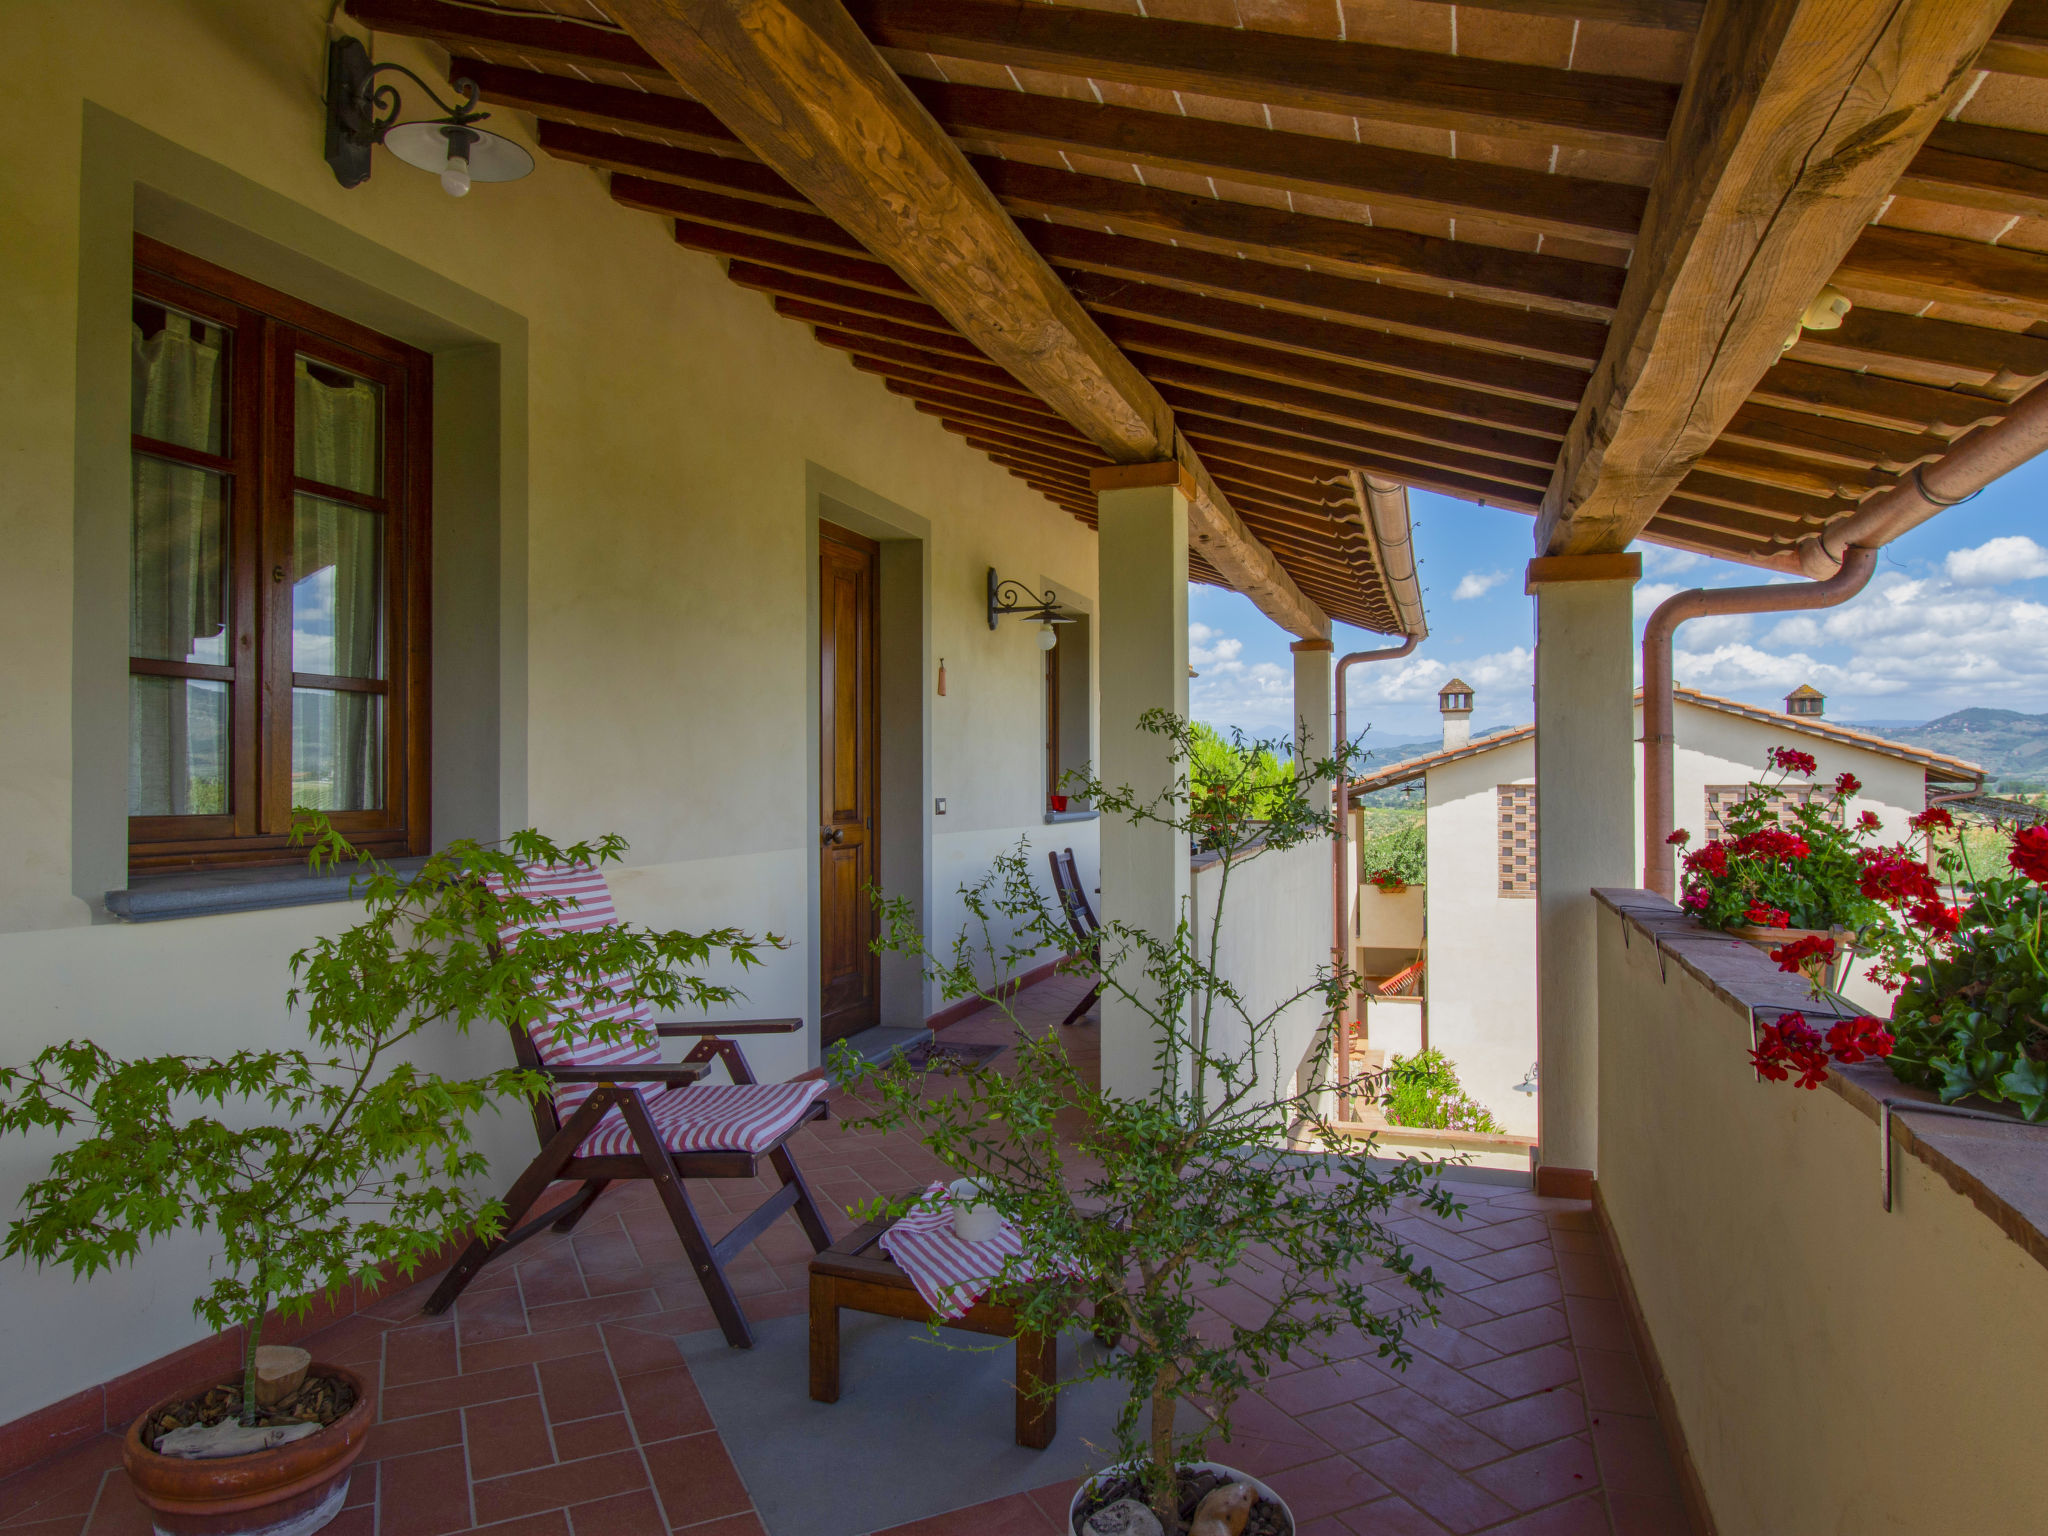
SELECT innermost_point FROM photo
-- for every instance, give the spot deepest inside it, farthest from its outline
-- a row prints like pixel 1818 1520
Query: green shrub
pixel 1396 842
pixel 1423 1093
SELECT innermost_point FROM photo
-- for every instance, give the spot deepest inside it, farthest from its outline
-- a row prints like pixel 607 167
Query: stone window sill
pixel 2001 1168
pixel 1053 818
pixel 211 893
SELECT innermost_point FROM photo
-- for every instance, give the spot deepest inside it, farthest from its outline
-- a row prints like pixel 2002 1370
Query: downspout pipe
pixel 1340 862
pixel 1956 476
pixel 1854 568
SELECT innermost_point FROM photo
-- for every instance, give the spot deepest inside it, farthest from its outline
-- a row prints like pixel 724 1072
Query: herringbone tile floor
pixel 553 1402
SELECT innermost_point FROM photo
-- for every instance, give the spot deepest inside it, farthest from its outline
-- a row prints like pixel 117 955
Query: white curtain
pixel 178 561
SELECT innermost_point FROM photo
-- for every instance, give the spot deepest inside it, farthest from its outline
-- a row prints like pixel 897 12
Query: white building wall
pixel 1481 982
pixel 1274 937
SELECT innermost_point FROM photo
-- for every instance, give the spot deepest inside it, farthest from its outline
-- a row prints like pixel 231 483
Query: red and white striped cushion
pixel 586 906
pixel 711 1117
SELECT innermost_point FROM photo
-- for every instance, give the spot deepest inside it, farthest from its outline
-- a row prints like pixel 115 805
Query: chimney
pixel 1806 700
pixel 1455 700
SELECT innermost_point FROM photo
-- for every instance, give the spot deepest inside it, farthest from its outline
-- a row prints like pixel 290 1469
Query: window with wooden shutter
pixel 277 573
pixel 1516 804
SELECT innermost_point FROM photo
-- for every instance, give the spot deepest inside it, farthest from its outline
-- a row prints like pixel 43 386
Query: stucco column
pixel 1312 701
pixel 1142 547
pixel 1585 831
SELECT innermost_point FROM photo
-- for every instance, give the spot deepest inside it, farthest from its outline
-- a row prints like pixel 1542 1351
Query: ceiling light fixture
pixel 1823 314
pixel 363 113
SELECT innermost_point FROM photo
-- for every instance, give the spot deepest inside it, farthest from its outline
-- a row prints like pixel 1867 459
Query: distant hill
pixel 1379 756
pixel 2011 747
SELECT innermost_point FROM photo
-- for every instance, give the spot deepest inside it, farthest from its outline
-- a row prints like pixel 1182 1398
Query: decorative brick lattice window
pixel 1517 809
pixel 1721 798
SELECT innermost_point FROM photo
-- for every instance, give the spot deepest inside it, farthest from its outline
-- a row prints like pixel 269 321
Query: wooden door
pixel 849 971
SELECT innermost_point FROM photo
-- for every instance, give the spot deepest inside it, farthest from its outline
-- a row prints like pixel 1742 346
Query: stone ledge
pixel 2002 1169
pixel 208 893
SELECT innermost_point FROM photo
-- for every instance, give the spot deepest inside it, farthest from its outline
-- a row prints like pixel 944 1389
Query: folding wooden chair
pixel 618 1112
pixel 1066 880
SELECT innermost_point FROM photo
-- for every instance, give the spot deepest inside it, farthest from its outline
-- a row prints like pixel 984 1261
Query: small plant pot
pixel 293 1490
pixel 1088 1484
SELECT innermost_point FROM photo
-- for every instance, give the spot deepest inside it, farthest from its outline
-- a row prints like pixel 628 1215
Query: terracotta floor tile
pixel 1325 1487
pixel 423 1495
pixel 1508 1263
pixel 1390 1517
pixel 634 1350
pixel 553 1522
pixel 730 1525
pixel 1635 1515
pixel 1634 1457
pixel 64 1487
pixel 623 1514
pixel 551 1279
pixel 506 1437
pixel 1326 1385
pixel 1597 1322
pixel 526 1351
pixel 1346 1427
pixel 1446 1496
pixel 1614 1382
pixel 119 1512
pixel 1548 1365
pixel 1455 1391
pixel 458 1392
pixel 1015 1515
pixel 1585 1274
pixel 579 1386
pixel 665 1404
pixel 1577 1242
pixel 1511 1232
pixel 556 1487
pixel 360 1521
pixel 695 1479
pixel 1538 1290
pixel 593 1437
pixel 1542 1476
pixel 590 1309
pixel 408 1437
pixel 1450 1438
pixel 1581 1517
pixel 1055 1499
pixel 1523 1330
pixel 1533 1420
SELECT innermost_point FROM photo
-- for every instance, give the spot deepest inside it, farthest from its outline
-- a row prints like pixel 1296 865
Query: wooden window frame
pixel 269 329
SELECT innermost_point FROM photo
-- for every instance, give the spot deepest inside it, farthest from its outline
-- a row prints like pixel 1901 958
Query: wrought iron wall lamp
pixel 363 113
pixel 1012 597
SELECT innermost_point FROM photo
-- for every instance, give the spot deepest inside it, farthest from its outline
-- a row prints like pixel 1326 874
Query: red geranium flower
pixel 1894 877
pixel 1792 957
pixel 1852 1040
pixel 1934 816
pixel 1846 784
pixel 1761 916
pixel 1711 859
pixel 1793 761
pixel 1679 838
pixel 1772 843
pixel 2030 854
pixel 1939 920
pixel 1788 1045
pixel 1869 821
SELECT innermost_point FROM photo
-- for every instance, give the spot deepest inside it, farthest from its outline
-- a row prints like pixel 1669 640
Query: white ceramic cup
pixel 974 1219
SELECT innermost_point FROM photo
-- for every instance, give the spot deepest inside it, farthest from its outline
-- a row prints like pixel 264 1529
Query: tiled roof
pixel 1939 765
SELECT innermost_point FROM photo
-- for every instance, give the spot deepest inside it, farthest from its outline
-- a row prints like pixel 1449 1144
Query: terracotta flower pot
pixel 1264 1492
pixel 291 1491
pixel 1768 939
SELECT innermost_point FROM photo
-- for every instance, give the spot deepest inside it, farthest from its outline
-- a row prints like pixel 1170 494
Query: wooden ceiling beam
pixel 966 369
pixel 1496 327
pixel 1518 378
pixel 779 282
pixel 1759 496
pixel 2009 361
pixel 757 249
pixel 1832 441
pixel 587 104
pixel 1569 206
pixel 534 34
pixel 1935 269
pixel 1311 74
pixel 1667 15
pixel 1796 118
pixel 1758 525
pixel 630 155
pixel 1297 401
pixel 960 400
pixel 1997 169
pixel 1343 247
pixel 811 230
pixel 852 323
pixel 891 368
pixel 2021 44
pixel 1022 437
pixel 1159 341
pixel 799 85
pixel 1258 426
pixel 1741 461
pixel 1703 541
pixel 1877 402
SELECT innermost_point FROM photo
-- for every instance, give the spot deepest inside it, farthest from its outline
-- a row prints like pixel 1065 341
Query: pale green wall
pixel 651 657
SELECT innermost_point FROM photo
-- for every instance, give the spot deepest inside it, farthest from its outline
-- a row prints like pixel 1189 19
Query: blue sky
pixel 1956 616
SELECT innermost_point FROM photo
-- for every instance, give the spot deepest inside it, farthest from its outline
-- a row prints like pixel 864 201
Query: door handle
pixel 830 835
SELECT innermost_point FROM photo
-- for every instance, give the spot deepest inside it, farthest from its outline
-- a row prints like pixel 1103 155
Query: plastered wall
pixel 1836 1368
pixel 655 492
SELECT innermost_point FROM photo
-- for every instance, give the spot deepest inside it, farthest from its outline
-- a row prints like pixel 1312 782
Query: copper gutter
pixel 1339 907
pixel 1956 476
pixel 1855 566
pixel 1383 509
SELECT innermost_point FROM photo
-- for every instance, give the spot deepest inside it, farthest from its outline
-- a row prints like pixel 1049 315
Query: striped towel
pixel 949 1274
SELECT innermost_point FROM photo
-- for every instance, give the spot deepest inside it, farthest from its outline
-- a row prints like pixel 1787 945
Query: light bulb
pixel 455 179
pixel 1048 637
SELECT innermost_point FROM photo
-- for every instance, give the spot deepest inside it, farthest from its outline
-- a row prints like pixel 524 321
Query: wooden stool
pixel 848 1275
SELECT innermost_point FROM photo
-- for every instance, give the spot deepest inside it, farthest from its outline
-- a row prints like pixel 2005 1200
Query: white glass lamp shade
pixel 492 157
pixel 1048 637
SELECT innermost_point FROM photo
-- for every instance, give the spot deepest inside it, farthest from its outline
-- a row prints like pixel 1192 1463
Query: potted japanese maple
pixel 316 1168
pixel 1131 1210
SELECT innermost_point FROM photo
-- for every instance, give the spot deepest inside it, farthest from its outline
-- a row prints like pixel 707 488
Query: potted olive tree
pixel 1131 1215
pixel 318 1167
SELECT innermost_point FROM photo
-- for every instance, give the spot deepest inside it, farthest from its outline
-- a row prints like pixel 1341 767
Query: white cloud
pixel 1500 681
pixel 1208 648
pixel 1477 584
pixel 1258 696
pixel 1659 561
pixel 2013 558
